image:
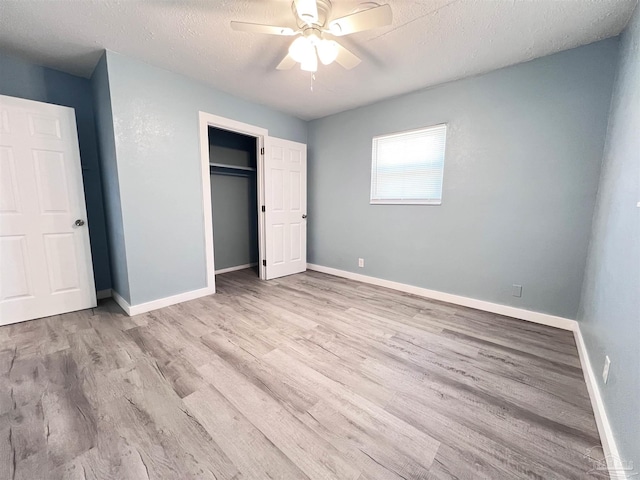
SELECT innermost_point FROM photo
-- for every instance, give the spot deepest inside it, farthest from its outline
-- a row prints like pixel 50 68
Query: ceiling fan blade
pixel 347 59
pixel 359 21
pixel 287 63
pixel 259 28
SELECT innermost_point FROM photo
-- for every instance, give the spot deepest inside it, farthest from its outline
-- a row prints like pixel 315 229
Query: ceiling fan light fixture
pixel 313 37
pixel 307 11
pixel 300 49
pixel 327 51
pixel 310 63
pixel 313 20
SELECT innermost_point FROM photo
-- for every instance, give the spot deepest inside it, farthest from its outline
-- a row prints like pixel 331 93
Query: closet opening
pixel 233 170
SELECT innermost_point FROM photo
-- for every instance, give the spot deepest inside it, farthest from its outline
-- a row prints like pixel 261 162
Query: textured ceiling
pixel 429 42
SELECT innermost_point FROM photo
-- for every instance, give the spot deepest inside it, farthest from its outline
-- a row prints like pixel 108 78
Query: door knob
pixel 79 223
pixel 304 215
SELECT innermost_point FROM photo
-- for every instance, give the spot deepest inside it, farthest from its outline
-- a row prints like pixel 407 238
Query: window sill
pixel 405 202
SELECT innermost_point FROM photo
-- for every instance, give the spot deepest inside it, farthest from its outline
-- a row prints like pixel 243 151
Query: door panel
pixel 61 262
pixel 8 183
pixel 15 268
pixel 44 126
pixel 46 258
pixel 296 241
pixel 285 173
pixel 278 244
pixel 51 181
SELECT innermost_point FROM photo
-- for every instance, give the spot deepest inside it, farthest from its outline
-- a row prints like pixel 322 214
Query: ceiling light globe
pixel 327 51
pixel 301 49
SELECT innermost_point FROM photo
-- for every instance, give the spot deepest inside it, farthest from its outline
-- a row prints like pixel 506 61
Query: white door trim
pixel 207 120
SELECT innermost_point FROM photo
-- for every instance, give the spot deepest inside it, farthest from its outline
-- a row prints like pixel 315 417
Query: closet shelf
pixel 232 167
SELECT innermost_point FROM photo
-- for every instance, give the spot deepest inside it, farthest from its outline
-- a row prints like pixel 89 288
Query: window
pixel 407 167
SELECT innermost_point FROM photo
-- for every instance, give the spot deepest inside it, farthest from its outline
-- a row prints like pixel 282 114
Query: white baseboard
pixel 234 269
pixel 161 302
pixel 102 294
pixel 612 456
pixel 520 313
pixel 124 305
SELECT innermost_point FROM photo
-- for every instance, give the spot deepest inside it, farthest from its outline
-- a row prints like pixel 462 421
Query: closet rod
pixel 237 173
pixel 232 167
pixel 228 172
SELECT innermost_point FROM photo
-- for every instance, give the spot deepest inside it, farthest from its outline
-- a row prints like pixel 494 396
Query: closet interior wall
pixel 234 199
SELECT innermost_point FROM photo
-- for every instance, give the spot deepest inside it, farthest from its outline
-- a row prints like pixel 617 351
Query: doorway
pixel 281 194
pixel 206 121
pixel 233 162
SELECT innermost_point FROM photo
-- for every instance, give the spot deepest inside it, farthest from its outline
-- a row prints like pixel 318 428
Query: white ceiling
pixel 429 42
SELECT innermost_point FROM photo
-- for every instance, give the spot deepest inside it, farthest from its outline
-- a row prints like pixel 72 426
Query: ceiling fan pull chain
pixel 313 77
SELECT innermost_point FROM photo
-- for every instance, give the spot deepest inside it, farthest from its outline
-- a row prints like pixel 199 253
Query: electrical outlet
pixel 516 290
pixel 605 371
pixel 361 262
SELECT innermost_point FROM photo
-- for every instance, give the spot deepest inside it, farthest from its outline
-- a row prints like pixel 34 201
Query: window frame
pixel 373 201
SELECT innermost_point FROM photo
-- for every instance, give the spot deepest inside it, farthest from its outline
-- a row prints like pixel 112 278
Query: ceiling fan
pixel 313 21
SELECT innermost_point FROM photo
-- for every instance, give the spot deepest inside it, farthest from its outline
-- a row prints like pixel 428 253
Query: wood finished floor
pixel 309 376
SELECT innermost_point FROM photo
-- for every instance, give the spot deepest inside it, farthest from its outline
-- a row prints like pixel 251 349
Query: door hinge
pixel 264 209
pixel 262 151
pixel 264 263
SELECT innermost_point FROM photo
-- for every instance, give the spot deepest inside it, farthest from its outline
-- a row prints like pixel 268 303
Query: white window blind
pixel 407 167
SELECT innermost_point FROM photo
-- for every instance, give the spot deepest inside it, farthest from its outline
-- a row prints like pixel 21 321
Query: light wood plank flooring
pixel 305 377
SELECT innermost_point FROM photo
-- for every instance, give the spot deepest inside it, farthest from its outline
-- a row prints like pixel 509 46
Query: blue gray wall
pixel 33 82
pixel 524 147
pixel 155 115
pixel 109 170
pixel 610 308
pixel 234 199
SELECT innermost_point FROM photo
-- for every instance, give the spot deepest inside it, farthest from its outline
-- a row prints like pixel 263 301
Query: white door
pixel 45 258
pixel 285 180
